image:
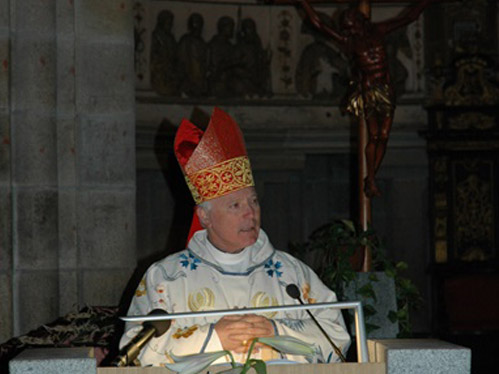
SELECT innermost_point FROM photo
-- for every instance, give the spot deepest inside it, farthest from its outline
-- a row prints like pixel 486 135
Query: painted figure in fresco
pixel 163 56
pixel 192 57
pixel 221 58
pixel 371 94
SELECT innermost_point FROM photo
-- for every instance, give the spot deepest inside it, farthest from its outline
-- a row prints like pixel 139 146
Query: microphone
pixel 129 352
pixel 293 291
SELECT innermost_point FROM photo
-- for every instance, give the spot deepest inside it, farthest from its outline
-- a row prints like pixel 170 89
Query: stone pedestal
pixel 385 302
pixel 420 356
pixel 54 361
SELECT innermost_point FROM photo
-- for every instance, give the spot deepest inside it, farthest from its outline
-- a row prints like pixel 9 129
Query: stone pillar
pixel 69 175
pixel 5 189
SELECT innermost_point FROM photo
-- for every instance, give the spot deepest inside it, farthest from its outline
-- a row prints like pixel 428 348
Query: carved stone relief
pixel 192 59
pixel 321 72
pixel 139 38
pixel 163 61
pixel 237 50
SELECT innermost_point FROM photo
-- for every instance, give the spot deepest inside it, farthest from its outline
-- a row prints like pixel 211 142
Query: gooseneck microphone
pixel 129 352
pixel 293 291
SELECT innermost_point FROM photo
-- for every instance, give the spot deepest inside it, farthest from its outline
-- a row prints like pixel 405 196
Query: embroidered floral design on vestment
pixel 202 299
pixel 190 261
pixel 305 290
pixel 263 299
pixel 185 332
pixel 294 324
pixel 273 268
pixel 141 289
pixel 160 290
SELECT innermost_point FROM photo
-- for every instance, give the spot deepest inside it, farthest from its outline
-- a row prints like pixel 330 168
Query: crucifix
pixel 370 98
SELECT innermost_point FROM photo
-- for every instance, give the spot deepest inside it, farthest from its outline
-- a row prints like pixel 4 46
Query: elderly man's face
pixel 233 221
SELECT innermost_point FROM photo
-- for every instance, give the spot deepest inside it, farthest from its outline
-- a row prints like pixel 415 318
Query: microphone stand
pixel 294 292
pixel 131 351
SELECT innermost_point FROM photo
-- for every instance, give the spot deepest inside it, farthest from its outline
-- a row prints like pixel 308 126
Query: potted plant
pixel 335 252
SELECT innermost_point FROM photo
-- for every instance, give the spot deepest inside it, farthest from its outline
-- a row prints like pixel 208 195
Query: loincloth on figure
pixel 377 99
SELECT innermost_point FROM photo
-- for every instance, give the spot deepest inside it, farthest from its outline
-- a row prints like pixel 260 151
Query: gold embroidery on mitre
pixel 262 299
pixel 220 179
pixel 202 299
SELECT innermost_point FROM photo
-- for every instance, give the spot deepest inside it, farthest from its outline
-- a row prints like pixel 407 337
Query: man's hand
pixel 236 332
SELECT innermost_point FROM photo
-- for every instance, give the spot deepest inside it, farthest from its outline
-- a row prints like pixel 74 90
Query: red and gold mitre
pixel 214 163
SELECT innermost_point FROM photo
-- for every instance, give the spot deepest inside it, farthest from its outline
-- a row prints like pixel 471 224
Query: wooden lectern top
pixel 339 368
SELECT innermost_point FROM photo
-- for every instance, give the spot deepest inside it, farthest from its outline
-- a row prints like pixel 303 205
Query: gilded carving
pixel 440 168
pixel 474 221
pixel 474 254
pixel 440 207
pixel 471 86
pixel 472 120
pixel 440 201
pixel 441 227
pixel 440 120
pixel 441 251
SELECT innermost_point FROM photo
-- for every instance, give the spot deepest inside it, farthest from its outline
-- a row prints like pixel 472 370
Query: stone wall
pixel 67 158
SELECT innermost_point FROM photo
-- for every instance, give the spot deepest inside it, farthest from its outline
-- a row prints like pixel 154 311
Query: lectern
pixel 339 368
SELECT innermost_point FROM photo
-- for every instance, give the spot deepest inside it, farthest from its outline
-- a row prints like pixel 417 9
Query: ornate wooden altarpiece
pixel 463 144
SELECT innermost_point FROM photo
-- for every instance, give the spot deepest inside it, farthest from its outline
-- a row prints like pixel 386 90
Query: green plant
pixel 335 252
pixel 196 363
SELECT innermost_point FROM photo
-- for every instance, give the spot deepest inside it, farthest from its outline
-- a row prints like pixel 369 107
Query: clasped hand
pixel 236 332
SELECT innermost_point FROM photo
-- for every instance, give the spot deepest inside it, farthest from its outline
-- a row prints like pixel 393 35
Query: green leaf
pixel 402 313
pixel 390 272
pixel 370 327
pixel 369 310
pixel 392 316
pixel 349 224
pixel 367 291
pixel 401 266
pixel 259 366
pixel 330 247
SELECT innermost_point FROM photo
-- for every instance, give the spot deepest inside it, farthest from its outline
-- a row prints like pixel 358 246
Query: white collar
pixel 244 261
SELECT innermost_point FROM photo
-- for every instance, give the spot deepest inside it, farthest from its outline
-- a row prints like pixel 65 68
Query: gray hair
pixel 206 205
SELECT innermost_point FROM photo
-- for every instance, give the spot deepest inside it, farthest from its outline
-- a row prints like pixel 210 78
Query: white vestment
pixel 202 278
